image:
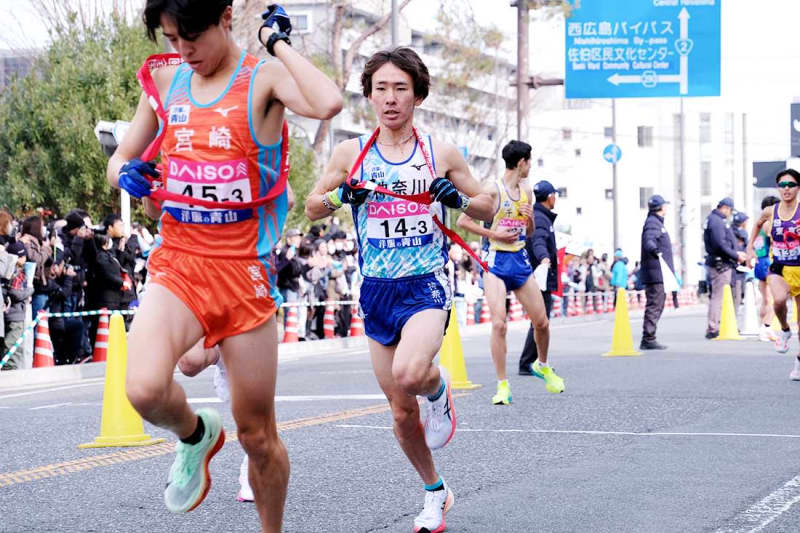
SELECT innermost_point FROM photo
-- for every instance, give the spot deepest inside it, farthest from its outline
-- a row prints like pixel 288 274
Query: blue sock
pixel 439 485
pixel 437 395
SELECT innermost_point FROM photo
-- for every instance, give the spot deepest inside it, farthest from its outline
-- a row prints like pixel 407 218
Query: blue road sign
pixel 612 153
pixel 631 49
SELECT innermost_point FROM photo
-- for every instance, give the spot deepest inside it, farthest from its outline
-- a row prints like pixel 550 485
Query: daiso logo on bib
pixel 397 208
pixel 208 172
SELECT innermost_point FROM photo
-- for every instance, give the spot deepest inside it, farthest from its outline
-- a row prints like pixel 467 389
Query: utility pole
pixel 683 210
pixel 395 22
pixel 746 181
pixel 614 173
pixel 522 67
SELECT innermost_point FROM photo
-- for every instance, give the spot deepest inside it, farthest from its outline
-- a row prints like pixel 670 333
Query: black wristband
pixel 275 37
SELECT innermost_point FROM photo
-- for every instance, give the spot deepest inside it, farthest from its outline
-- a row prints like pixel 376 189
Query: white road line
pixel 311 398
pixel 51 406
pixel 763 513
pixel 40 391
pixel 594 432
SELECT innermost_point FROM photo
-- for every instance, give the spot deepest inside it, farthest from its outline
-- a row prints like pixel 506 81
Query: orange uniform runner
pixel 217 261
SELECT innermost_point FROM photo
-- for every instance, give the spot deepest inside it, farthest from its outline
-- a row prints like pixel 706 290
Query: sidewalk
pixel 292 351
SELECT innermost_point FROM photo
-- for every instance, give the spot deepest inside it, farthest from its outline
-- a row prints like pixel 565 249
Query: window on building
pixel 705 127
pixel 562 192
pixel 609 194
pixel 644 195
pixel 644 135
pixel 705 178
pixel 577 152
pixel 540 162
pixel 578 210
pixel 608 132
pixel 301 21
pixel 566 134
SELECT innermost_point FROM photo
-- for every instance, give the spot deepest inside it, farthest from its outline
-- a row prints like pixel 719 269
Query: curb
pixel 66 373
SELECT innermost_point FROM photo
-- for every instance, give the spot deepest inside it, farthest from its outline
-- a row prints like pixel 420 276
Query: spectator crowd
pixel 73 265
pixel 83 266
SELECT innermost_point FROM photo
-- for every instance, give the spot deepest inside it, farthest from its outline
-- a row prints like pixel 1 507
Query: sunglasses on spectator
pixel 789 184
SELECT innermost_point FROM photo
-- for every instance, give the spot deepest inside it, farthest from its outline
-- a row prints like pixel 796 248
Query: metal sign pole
pixel 614 171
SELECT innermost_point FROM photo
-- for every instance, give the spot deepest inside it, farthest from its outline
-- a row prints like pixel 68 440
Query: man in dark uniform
pixel 721 259
pixel 655 245
pixel 541 246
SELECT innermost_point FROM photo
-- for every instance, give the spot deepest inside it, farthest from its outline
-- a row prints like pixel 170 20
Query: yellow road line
pixel 146 452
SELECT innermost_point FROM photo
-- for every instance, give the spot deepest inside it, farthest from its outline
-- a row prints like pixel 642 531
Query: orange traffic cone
pixel 589 304
pixel 572 310
pixel 485 316
pixel 470 313
pixel 356 323
pixel 556 307
pixel 43 346
pixel 101 341
pixel 290 331
pixel 329 322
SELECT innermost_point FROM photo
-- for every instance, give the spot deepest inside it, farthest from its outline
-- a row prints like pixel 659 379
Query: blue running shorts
pixel 387 304
pixel 762 268
pixel 514 268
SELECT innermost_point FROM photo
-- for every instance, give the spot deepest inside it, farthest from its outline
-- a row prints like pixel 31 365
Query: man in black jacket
pixel 655 245
pixel 721 259
pixel 541 246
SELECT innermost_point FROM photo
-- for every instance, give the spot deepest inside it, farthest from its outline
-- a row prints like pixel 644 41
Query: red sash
pixel 158 193
pixel 420 198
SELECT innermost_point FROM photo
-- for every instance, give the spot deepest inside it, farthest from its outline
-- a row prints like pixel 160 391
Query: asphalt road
pixel 702 437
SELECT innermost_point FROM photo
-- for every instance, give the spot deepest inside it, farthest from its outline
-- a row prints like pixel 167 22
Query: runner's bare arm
pixel 760 224
pixel 465 221
pixel 450 160
pixel 301 86
pixel 143 128
pixel 335 173
pixel 141 132
pixel 527 208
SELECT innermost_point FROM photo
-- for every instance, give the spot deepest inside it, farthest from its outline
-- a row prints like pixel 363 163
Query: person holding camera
pixel 722 257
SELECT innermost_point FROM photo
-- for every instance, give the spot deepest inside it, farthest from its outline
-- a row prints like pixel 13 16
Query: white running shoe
pixel 782 341
pixel 245 492
pixel 437 503
pixel 440 422
pixel 766 334
pixel 221 379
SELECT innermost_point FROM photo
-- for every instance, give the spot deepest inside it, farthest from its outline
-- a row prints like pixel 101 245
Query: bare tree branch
pixel 344 69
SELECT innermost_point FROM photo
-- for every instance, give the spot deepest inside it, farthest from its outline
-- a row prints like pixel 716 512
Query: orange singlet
pixel 217 261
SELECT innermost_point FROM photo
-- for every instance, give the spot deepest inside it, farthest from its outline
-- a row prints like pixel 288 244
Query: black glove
pixel 351 195
pixel 442 190
pixel 275 14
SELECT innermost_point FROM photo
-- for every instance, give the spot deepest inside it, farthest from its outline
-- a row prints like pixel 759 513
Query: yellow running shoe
pixel 552 382
pixel 503 396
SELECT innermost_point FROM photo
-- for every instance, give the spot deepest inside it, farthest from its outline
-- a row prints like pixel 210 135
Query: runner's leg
pixel 163 330
pixel 197 359
pixel 251 361
pixel 495 290
pixel 766 309
pixel 405 413
pixel 780 294
pixel 531 299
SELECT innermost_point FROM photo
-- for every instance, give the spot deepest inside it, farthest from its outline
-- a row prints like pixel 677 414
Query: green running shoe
pixel 189 480
pixel 503 396
pixel 552 382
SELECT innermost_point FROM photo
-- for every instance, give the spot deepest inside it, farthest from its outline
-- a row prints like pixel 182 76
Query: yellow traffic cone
pixel 622 341
pixel 728 329
pixel 451 356
pixel 120 425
